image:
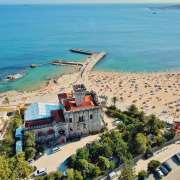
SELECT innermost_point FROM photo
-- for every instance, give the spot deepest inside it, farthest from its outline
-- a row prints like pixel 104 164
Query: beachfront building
pixel 77 114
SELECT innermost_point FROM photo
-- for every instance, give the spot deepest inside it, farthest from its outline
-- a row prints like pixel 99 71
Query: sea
pixel 137 38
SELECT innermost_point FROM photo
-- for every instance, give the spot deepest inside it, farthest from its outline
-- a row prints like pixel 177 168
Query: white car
pixel 41 172
pixel 112 175
pixel 159 173
pixel 56 149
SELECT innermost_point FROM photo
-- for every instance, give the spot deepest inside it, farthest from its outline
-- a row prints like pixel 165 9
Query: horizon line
pixel 66 3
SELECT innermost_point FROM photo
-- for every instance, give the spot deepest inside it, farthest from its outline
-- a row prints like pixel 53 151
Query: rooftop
pixel 70 104
pixel 40 111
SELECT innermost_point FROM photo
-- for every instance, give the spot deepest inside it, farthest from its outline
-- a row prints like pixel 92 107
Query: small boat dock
pixel 85 66
pixel 82 51
pixel 61 62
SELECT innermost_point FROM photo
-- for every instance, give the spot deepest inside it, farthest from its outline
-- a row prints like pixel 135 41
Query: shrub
pixel 142 174
pixel 152 165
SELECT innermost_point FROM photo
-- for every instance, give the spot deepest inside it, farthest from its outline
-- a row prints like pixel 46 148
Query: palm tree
pixel 114 100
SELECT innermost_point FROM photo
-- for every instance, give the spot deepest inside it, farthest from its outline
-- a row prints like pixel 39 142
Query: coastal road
pixel 162 155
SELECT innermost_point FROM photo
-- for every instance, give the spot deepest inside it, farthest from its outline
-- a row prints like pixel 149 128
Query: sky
pixel 84 1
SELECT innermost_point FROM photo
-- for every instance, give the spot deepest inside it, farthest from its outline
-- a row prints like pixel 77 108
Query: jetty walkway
pixel 61 62
pixel 85 66
pixel 91 61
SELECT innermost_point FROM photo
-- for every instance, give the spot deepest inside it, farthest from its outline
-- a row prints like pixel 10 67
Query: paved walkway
pixel 52 162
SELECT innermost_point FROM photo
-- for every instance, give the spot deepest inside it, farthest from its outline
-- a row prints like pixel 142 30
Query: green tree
pixel 152 165
pixel 19 167
pixel 120 148
pixel 96 149
pixel 83 166
pixel 74 175
pixel 140 143
pixel 122 127
pixel 54 176
pixel 30 139
pixel 127 172
pixel 70 174
pixel 142 175
pixel 5 170
pixel 107 150
pixel 96 171
pixel 141 116
pixel 160 140
pixel 30 153
pixel 83 153
pixel 87 169
pixel 73 161
pixel 104 163
pixel 29 145
pixel 17 121
pixel 133 110
pixel 154 125
pixel 78 175
pixel 168 135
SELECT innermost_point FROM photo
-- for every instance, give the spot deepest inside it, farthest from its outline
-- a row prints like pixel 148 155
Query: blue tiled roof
pixel 40 111
pixel 18 146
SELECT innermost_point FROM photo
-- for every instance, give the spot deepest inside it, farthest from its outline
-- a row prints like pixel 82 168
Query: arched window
pixel 61 131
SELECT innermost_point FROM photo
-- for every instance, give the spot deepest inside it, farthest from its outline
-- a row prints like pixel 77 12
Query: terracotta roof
pixel 70 104
pixel 57 116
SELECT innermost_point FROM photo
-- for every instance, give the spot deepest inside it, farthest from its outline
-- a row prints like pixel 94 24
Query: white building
pixel 76 115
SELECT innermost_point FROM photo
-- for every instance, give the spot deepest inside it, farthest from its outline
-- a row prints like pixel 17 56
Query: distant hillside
pixel 170 7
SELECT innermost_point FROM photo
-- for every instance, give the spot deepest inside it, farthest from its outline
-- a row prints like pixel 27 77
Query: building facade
pixel 77 114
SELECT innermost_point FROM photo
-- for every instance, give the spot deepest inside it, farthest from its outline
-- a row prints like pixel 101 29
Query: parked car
pixel 164 170
pixel 177 156
pixel 56 149
pixel 41 172
pixel 159 173
pixel 112 175
pixel 147 155
pixel 38 155
pixel 167 166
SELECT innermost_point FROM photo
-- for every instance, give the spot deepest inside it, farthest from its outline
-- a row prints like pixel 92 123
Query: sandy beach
pixel 157 93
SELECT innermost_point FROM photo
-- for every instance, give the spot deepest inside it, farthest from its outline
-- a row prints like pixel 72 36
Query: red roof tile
pixel 58 116
pixel 70 104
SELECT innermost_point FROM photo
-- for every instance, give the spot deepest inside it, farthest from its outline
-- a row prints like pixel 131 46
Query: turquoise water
pixel 34 78
pixel 135 38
